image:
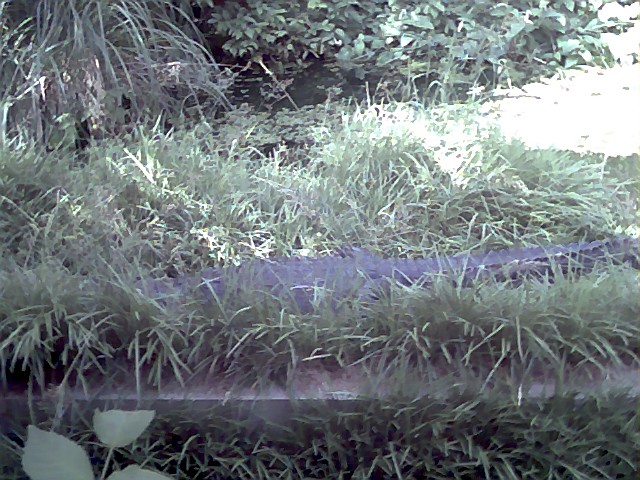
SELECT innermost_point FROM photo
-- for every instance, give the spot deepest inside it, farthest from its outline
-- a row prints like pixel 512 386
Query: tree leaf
pixel 49 456
pixel 117 428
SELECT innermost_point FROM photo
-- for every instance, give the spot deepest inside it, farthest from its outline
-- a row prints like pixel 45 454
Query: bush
pixel 480 41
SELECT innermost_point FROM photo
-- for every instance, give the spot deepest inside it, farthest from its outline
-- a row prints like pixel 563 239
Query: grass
pixel 466 436
pixel 398 180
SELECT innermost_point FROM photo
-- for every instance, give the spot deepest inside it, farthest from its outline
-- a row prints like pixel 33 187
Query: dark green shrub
pixel 480 39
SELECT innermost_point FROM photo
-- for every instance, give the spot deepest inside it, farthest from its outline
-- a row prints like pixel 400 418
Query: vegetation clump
pixel 126 154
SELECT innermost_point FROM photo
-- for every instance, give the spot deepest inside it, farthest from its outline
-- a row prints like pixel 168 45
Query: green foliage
pixel 457 433
pixel 116 428
pixel 68 62
pixel 399 181
pixel 473 41
pixel 290 34
pixel 49 456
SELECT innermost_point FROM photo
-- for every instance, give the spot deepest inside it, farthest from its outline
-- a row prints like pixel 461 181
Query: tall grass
pixel 396 179
pixel 100 66
pixel 387 180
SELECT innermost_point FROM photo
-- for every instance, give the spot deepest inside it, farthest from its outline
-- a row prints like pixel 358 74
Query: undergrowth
pixel 123 157
pixel 468 435
pixel 397 181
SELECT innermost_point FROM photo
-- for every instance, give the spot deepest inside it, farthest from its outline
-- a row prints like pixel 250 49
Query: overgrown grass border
pixel 467 436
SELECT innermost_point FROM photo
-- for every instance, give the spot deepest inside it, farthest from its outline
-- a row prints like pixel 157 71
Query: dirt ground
pixel 587 110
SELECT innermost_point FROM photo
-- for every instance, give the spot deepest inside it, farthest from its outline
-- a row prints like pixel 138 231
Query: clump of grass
pixel 71 66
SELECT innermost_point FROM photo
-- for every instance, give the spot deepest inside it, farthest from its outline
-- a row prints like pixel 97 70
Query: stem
pixel 106 463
